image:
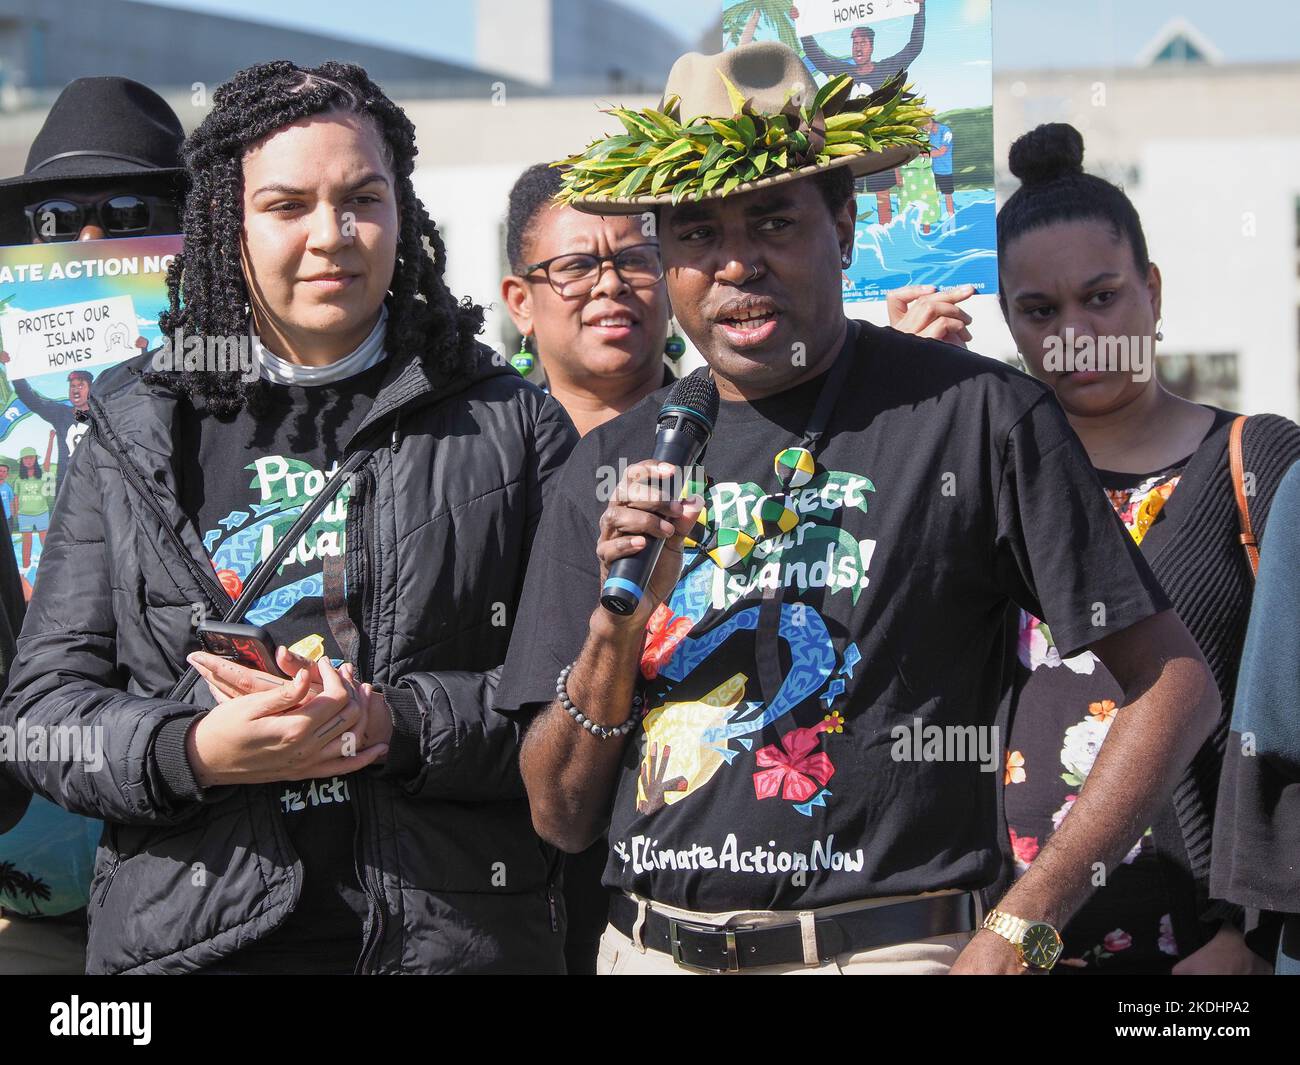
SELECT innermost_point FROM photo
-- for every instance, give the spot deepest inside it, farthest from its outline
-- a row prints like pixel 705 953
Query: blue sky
pixel 1099 32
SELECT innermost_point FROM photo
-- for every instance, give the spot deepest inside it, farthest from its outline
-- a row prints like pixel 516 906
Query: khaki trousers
pixel 620 956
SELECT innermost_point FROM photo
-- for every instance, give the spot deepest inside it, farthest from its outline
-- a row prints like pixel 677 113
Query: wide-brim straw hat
pixel 767 76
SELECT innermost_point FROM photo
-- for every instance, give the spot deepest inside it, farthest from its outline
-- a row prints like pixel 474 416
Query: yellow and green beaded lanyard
pixel 795 466
pixel 731 548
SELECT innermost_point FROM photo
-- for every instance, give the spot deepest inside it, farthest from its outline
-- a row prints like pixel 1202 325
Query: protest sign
pixel 933 220
pixel 68 312
pixel 76 335
pixel 826 16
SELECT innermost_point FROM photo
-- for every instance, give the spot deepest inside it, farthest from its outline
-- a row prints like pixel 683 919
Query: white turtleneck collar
pixel 282 372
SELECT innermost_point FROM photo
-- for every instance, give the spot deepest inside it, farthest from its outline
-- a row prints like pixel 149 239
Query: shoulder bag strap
pixel 1237 464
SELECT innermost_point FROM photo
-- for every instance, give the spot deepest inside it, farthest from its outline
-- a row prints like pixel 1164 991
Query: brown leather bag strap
pixel 1237 464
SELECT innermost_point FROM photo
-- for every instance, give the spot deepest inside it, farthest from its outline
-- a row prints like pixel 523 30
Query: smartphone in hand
pixel 249 645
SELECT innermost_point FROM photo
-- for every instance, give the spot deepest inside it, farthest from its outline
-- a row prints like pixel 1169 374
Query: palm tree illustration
pixel 33 888
pixel 776 13
pixel 10 880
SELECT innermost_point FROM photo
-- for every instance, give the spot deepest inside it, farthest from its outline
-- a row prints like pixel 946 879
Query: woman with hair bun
pixel 1082 299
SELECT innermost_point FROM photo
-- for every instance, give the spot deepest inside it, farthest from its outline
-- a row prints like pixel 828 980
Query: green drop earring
pixel 523 360
pixel 674 346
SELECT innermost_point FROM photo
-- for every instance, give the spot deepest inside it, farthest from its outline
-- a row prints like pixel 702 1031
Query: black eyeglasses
pixel 577 273
pixel 119 216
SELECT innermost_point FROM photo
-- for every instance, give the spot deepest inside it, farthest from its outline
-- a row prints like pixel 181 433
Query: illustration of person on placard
pixel 868 75
pixel 34 497
pixel 941 149
pixel 61 416
pixel 6 493
pixel 919 187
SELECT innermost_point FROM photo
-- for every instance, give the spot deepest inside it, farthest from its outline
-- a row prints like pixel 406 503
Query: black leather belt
pixel 725 950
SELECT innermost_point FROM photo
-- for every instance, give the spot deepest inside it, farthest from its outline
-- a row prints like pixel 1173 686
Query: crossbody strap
pixel 1237 464
pixel 265 570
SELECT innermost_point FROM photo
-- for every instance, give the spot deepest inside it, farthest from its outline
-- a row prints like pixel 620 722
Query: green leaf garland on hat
pixel 659 154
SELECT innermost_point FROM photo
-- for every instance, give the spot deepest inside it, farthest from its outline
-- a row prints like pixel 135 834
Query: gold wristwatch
pixel 1037 943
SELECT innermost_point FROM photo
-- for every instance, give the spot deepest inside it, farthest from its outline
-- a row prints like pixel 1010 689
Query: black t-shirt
pixel 253 476
pixel 947 489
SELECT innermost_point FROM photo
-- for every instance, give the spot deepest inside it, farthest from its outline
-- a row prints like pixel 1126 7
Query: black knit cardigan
pixel 1195 552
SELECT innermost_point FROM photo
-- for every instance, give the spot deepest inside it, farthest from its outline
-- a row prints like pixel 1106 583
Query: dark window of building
pixel 1201 378
pixel 1180 50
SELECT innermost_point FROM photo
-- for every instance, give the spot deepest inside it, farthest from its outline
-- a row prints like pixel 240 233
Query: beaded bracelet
pixel 599 731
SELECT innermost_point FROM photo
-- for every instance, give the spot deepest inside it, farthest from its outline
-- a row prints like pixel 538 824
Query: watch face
pixel 1041 945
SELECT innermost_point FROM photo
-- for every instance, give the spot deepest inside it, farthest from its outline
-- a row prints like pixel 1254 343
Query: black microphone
pixel 685 425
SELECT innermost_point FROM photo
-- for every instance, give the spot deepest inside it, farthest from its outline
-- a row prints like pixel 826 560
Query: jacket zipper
pixel 357 568
pixel 364 527
pixel 375 889
pixel 112 872
pixel 374 933
pixel 370 588
pixel 112 869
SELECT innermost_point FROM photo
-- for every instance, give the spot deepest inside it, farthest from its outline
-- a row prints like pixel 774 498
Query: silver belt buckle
pixel 733 958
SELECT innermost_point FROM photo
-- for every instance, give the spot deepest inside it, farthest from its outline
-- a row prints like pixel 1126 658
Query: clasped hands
pixel 320 722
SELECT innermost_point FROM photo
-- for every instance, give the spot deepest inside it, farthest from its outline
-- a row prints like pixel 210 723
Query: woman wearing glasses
pixel 588 292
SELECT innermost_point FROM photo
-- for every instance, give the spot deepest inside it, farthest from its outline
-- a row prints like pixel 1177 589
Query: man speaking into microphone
pixel 834 589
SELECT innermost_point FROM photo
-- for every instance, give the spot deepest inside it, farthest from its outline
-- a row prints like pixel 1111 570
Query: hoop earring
pixel 523 360
pixel 674 346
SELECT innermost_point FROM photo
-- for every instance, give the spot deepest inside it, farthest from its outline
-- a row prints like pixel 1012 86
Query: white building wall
pixel 469 205
pixel 515 36
pixel 1220 219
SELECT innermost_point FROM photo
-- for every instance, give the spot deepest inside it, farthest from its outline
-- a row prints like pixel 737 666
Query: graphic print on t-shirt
pixel 278 489
pixel 716 811
pixel 789 542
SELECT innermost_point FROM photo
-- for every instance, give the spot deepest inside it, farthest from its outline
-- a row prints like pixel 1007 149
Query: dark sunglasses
pixel 119 216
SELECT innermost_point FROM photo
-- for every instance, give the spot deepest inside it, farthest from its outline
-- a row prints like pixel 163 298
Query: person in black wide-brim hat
pixel 106 163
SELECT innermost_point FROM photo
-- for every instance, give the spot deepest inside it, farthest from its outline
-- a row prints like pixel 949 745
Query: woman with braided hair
pixel 363 486
pixel 423 315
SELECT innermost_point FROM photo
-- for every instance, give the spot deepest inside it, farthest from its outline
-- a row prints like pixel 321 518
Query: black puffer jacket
pixel 13 797
pixel 439 526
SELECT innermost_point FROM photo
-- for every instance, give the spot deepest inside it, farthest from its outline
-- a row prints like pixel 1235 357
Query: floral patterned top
pixel 1063 710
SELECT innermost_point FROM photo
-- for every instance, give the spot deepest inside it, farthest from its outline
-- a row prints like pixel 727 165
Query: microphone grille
pixel 696 392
